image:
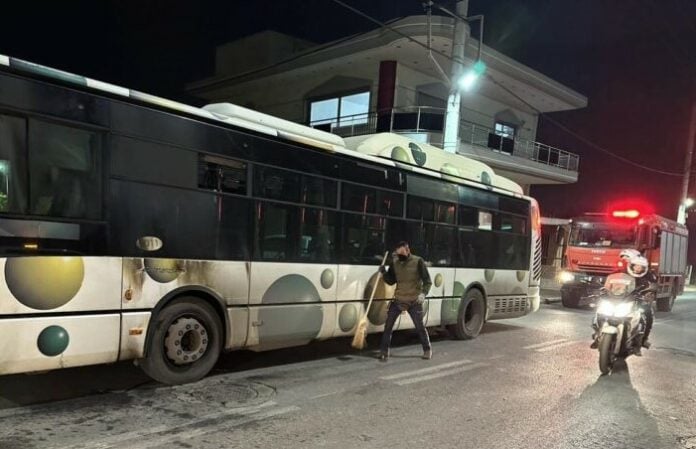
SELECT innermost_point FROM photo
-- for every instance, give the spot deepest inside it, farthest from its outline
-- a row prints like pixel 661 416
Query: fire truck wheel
pixel 666 304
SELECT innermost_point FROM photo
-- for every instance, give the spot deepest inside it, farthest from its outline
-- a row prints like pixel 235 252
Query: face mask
pixel 402 257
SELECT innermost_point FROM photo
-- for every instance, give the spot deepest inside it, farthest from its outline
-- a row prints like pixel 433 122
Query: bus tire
pixel 472 312
pixel 185 342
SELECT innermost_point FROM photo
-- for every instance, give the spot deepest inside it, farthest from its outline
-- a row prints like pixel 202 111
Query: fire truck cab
pixel 596 240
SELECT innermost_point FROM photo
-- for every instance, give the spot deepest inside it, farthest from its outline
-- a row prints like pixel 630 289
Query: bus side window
pixel 317 235
pixel 65 171
pixel 222 174
pixel 364 239
pixel 13 146
pixel 273 229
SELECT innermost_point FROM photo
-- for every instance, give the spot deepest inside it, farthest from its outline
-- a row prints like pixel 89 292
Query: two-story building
pixel 381 81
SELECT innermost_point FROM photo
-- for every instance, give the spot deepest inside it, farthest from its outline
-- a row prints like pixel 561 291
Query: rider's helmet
pixel 637 266
pixel 628 254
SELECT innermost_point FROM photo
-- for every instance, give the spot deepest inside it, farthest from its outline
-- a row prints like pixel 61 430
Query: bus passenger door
pixel 293 282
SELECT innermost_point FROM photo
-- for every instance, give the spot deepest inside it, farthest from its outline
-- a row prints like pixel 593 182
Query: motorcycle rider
pixel 625 257
pixel 634 264
pixel 638 267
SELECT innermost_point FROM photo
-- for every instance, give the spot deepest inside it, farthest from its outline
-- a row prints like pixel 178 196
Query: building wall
pixel 285 95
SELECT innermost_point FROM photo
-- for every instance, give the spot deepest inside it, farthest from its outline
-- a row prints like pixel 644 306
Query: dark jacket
pixel 410 276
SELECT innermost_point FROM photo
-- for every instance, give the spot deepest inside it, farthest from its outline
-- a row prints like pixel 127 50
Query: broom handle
pixel 374 287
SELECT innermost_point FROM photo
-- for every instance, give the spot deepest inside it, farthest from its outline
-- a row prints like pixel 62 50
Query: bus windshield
pixel 602 234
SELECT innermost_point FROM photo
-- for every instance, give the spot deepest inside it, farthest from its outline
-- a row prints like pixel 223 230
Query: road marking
pixel 546 343
pixel 450 372
pixel 425 370
pixel 116 440
pixel 556 346
pixel 323 395
pixel 187 434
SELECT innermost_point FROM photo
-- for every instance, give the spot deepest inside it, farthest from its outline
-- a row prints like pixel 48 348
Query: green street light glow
pixel 467 81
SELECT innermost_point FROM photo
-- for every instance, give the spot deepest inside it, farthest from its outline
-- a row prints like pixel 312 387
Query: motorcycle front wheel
pixel 606 353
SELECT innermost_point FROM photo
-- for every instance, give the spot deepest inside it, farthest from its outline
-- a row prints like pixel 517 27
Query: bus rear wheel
pixel 184 343
pixel 472 312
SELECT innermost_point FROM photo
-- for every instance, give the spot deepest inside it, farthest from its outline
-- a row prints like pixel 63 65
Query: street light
pixel 467 81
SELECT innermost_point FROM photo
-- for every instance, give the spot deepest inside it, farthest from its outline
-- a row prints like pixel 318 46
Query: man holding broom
pixel 412 280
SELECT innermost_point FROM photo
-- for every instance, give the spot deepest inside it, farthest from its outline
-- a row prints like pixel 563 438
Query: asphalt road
pixel 531 382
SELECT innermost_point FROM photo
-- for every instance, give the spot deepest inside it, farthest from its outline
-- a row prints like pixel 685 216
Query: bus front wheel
pixel 472 312
pixel 185 342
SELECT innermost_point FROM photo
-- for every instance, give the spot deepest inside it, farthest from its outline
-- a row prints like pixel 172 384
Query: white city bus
pixel 133 227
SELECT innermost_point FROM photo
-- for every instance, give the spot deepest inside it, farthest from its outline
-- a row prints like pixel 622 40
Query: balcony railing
pixel 417 119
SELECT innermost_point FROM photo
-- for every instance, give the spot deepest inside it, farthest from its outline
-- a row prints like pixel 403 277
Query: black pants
pixel 649 318
pixel 416 313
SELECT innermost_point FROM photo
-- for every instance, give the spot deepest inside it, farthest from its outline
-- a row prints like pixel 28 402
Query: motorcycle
pixel 619 322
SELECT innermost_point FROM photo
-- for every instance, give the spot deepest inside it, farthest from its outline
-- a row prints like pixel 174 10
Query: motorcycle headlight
pixel 623 309
pixel 566 276
pixel 605 308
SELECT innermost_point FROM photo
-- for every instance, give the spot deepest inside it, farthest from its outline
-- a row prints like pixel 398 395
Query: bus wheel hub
pixel 186 341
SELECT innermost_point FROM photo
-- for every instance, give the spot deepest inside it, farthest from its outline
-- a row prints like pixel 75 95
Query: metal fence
pixel 415 119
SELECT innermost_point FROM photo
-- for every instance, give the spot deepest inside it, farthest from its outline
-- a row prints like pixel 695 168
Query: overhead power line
pixel 513 94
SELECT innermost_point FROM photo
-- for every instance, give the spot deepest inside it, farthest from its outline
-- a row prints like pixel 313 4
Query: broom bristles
pixel 360 335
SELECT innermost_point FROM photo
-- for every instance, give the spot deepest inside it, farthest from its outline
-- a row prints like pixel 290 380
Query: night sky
pixel 633 59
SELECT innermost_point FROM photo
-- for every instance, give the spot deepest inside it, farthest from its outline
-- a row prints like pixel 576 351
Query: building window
pixel 341 111
pixel 505 130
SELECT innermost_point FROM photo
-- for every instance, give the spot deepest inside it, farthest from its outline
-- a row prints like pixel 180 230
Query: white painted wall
pixel 285 94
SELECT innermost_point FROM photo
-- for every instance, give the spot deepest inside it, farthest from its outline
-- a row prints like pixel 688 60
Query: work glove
pixel 420 299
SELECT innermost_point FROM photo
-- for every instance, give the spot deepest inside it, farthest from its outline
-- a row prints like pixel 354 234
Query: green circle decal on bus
pixel 418 154
pixel 400 154
pixel 327 278
pixel 43 282
pixel 299 322
pixel 348 317
pixel 53 341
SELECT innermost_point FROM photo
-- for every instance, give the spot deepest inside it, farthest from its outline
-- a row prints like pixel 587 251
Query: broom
pixel 361 329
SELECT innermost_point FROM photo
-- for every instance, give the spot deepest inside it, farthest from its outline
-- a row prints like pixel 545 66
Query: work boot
pixel 383 356
pixel 595 344
pixel 427 354
pixel 646 344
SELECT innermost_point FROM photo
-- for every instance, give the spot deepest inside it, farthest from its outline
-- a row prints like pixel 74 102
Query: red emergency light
pixel 631 213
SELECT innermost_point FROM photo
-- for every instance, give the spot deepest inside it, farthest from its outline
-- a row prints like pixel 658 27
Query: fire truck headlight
pixel 565 277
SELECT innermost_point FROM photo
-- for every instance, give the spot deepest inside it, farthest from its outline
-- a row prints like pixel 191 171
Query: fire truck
pixel 597 239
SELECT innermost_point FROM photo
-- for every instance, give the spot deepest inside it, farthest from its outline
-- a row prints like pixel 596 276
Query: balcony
pixel 423 119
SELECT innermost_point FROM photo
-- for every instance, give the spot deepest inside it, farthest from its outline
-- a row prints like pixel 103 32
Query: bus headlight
pixel 565 277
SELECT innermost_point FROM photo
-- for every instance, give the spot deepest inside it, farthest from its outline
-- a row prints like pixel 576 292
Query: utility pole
pixel 461 32
pixel 691 137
